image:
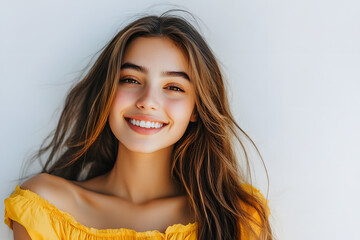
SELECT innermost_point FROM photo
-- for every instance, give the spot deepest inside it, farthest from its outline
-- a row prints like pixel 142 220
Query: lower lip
pixel 144 131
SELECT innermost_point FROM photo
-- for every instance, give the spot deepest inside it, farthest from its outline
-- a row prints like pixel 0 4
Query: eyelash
pixel 132 81
pixel 178 89
pixel 125 79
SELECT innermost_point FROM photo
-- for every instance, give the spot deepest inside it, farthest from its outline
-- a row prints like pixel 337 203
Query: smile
pixel 145 124
pixel 145 127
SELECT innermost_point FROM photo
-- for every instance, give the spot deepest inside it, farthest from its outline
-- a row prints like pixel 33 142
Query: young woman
pixel 144 149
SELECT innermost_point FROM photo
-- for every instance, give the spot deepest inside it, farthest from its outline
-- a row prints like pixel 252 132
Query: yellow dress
pixel 43 220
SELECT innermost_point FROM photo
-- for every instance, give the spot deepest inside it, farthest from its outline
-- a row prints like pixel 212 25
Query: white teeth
pixel 146 124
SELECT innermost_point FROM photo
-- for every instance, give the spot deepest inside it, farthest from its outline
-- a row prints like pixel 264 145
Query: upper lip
pixel 145 118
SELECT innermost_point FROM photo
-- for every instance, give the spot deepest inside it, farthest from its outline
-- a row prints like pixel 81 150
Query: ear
pixel 194 116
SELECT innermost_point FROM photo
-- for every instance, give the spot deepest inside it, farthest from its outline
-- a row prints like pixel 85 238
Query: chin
pixel 142 148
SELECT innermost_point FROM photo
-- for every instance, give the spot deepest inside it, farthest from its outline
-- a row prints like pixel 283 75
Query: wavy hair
pixel 203 161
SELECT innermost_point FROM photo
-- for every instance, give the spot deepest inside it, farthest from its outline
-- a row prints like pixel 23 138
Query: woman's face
pixel 154 91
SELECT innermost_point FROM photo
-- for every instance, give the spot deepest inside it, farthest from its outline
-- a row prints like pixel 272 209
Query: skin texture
pixel 138 193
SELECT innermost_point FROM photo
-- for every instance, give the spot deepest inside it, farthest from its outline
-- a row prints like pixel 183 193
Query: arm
pixel 20 232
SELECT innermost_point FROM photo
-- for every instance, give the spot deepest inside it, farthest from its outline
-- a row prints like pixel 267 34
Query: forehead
pixel 156 53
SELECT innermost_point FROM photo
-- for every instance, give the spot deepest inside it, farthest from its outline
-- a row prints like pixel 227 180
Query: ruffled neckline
pixel 175 228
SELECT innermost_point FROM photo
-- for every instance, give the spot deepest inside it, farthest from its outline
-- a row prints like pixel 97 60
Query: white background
pixel 294 71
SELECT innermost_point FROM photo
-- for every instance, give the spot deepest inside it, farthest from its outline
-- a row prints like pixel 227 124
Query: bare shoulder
pixel 52 188
pixel 56 190
pixel 44 184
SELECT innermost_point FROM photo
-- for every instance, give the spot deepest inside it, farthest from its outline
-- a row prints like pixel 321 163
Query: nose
pixel 148 99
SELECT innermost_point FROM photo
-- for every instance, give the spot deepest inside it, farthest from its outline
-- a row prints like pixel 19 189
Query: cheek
pixel 123 96
pixel 180 110
pixel 122 100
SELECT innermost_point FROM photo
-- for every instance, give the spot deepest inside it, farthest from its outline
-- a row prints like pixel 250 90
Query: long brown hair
pixel 203 161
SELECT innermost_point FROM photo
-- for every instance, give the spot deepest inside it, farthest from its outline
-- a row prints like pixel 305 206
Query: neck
pixel 142 177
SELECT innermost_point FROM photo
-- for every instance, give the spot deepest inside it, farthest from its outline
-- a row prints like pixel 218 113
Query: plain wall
pixel 294 71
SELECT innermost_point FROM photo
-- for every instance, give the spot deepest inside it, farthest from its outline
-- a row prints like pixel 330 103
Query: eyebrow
pixel 142 69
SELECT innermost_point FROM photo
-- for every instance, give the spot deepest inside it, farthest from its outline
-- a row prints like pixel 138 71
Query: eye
pixel 174 88
pixel 128 80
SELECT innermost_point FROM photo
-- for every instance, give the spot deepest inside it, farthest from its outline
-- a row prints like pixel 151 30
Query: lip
pixel 144 131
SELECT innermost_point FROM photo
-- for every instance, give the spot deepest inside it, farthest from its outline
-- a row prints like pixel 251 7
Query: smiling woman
pixel 143 149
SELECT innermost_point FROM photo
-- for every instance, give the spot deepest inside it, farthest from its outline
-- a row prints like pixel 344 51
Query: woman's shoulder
pixel 56 190
pixel 261 204
pixel 43 184
pixel 258 211
pixel 33 205
pixel 249 188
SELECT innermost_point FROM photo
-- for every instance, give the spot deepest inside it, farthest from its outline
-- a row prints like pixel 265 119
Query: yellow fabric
pixel 43 220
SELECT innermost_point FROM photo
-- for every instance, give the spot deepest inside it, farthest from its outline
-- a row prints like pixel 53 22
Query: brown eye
pixel 174 88
pixel 128 80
